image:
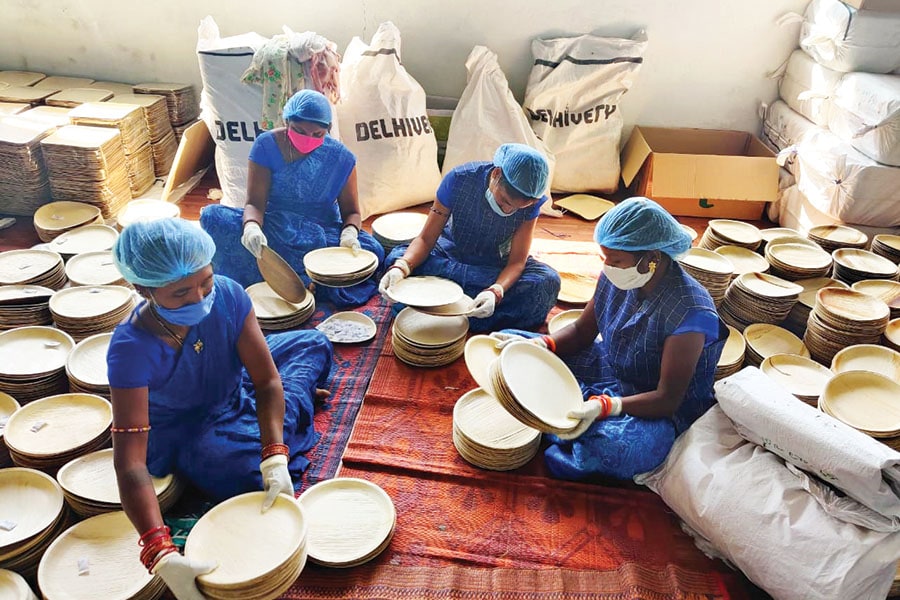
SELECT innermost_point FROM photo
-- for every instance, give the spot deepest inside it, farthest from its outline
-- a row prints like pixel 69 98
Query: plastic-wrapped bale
pixel 842 38
pixel 806 86
pixel 783 126
pixel 864 110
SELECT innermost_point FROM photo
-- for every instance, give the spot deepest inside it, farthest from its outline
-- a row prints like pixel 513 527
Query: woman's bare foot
pixel 321 394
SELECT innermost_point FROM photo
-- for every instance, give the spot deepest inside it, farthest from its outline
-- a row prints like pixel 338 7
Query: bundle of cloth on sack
pixel 804 505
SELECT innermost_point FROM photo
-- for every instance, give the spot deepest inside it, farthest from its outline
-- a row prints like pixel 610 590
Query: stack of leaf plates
pixel 24 185
pixel 281 277
pixel 798 261
pixel 32 505
pixel 576 288
pixel 27 78
pixel 733 353
pixel 888 246
pixel 179 129
pixel 425 292
pixel 868 357
pixel 146 209
pixel 832 237
pixel 852 265
pixel 486 435
pixel 76 96
pixel 83 311
pixel 536 387
pixel 480 353
pixel 259 554
pixel 8 406
pixel 775 232
pixel 791 239
pixel 9 109
pixel 765 340
pixel 799 315
pixel 14 587
pixel 566 317
pixel 743 260
pixel 96 558
pixel 463 306
pixel 339 267
pixel 424 340
pixel 24 305
pixel 33 362
pixel 884 289
pixel 61 82
pixel 713 271
pixel 348 327
pixel 866 401
pixel 892 334
pixel 726 232
pixel 94 268
pixel 758 298
pixel 800 375
pixel 155 113
pixel 164 152
pixel 843 318
pixel 48 433
pixel 90 486
pixel 25 94
pixel 54 116
pixel 397 229
pixel 86 238
pixel 86 365
pixel 116 87
pixel 274 313
pixel 181 101
pixel 351 521
pixel 56 218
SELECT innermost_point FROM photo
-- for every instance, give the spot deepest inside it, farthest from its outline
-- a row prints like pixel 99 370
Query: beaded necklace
pixel 168 330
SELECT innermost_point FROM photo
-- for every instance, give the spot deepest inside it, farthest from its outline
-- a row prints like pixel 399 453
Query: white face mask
pixel 629 278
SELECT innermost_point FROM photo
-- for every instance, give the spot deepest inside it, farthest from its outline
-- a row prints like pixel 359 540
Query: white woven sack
pixel 864 110
pixel 794 210
pixel 842 38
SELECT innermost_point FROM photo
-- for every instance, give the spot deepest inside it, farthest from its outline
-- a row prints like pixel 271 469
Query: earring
pixel 652 266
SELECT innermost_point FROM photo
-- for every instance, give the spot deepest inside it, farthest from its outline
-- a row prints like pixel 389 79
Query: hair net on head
pixel 157 253
pixel 308 105
pixel 524 168
pixel 640 224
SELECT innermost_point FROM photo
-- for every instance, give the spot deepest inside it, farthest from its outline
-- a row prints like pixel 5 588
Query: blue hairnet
pixel 639 224
pixel 308 105
pixel 157 253
pixel 524 168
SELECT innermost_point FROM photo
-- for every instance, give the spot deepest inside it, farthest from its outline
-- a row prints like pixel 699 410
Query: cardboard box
pixel 701 172
pixel 879 5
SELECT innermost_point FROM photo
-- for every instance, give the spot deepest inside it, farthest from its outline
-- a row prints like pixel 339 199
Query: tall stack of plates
pixel 868 357
pixel 33 362
pixel 86 366
pixel 87 238
pixel 798 261
pixel 758 298
pixel 791 239
pixel 852 265
pixel 732 359
pixel 832 237
pixel 53 116
pixel 274 312
pixel 487 436
pixel 743 260
pixel 179 129
pixel 72 97
pixel 24 305
pixel 88 164
pixel 843 318
pixel 155 113
pixel 348 327
pixel 713 271
pixel 164 154
pixel 866 401
pixel 25 94
pixel 765 340
pixel 463 306
pixel 339 267
pixel 33 502
pixel 24 185
pixel 146 209
pixel 116 87
pixel 84 311
pixel 887 246
pixel 25 78
pixel 397 229
pixel 563 319
pixel 351 521
pixel 61 82
pixel 725 232
pixel 48 433
pixel 97 559
pixel 884 289
pixel 480 353
pixel 55 218
pixel 277 537
pixel 8 406
pixel 90 486
pixel 772 233
pixel 425 292
pixel 32 266
pixel 14 587
pixel 892 334
pixel 181 101
pixel 801 376
pixel 423 340
pixel 94 268
pixel 799 315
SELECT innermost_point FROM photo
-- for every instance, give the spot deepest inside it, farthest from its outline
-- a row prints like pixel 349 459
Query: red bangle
pixel 605 405
pixel 275 448
pixel 148 535
pixel 551 343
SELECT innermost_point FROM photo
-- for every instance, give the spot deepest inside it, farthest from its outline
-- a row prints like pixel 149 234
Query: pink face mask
pixel 304 143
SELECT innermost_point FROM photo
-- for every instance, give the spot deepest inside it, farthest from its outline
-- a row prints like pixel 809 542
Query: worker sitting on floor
pixel 198 392
pixel 650 374
pixel 301 196
pixel 478 234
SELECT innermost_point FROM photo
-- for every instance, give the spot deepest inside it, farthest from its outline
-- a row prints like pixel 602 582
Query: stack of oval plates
pixel 480 353
pixel 536 387
pixel 33 362
pixel 733 353
pixel 832 237
pixel 892 334
pixel 274 312
pixel 852 265
pixel 743 260
pixel 24 305
pixel 86 365
pixel 94 268
pixel 32 266
pixel 259 554
pixel 798 261
pixel 8 406
pixel 888 246
pixel 765 340
pixel 563 319
pixel 56 218
pixel 84 311
pixel 758 298
pixel 348 327
pixel 868 357
pixel 486 435
pixel 463 306
pixel 339 267
pixel 97 558
pixel 397 229
pixel 713 271
pixel 884 289
pixel 843 318
pixel 351 521
pixel 866 401
pixel 426 292
pixel 772 233
pixel 799 315
pixel 87 238
pixel 146 209
pixel 801 376
pixel 48 433
pixel 14 587
pixel 90 486
pixel 424 340
pixel 32 505
pixel 726 232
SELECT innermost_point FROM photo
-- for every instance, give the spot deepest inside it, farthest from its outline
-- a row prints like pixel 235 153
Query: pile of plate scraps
pixel 86 366
pixel 181 101
pixel 712 270
pixel 163 144
pixel 339 267
pixel 397 229
pixel 764 340
pixel 55 218
pixel 94 268
pixel 33 362
pixel 799 316
pixel 8 405
pixel 24 183
pixel 852 265
pixel 85 238
pixel 423 340
pixel 866 401
pixel 733 353
pixel 887 246
pixel 274 313
pixel 842 318
pixel 24 305
pixel 146 209
pixel 758 298
pixel 84 311
pixel 726 232
pixel 348 327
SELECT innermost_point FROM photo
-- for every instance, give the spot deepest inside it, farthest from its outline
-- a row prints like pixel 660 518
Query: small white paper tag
pixel 84 567
pixel 3 421
pixel 7 525
pixel 38 426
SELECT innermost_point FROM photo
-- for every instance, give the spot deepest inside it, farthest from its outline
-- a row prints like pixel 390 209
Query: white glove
pixel 505 339
pixel 393 275
pixel 179 573
pixel 587 413
pixel 254 239
pixel 276 479
pixel 484 305
pixel 350 238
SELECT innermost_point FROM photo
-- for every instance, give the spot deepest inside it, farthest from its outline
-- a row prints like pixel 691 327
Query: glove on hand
pixel 276 479
pixel 179 573
pixel 484 305
pixel 587 414
pixel 505 339
pixel 253 239
pixel 350 238
pixel 393 275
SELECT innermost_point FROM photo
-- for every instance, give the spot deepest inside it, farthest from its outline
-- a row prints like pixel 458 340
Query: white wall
pixel 705 65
